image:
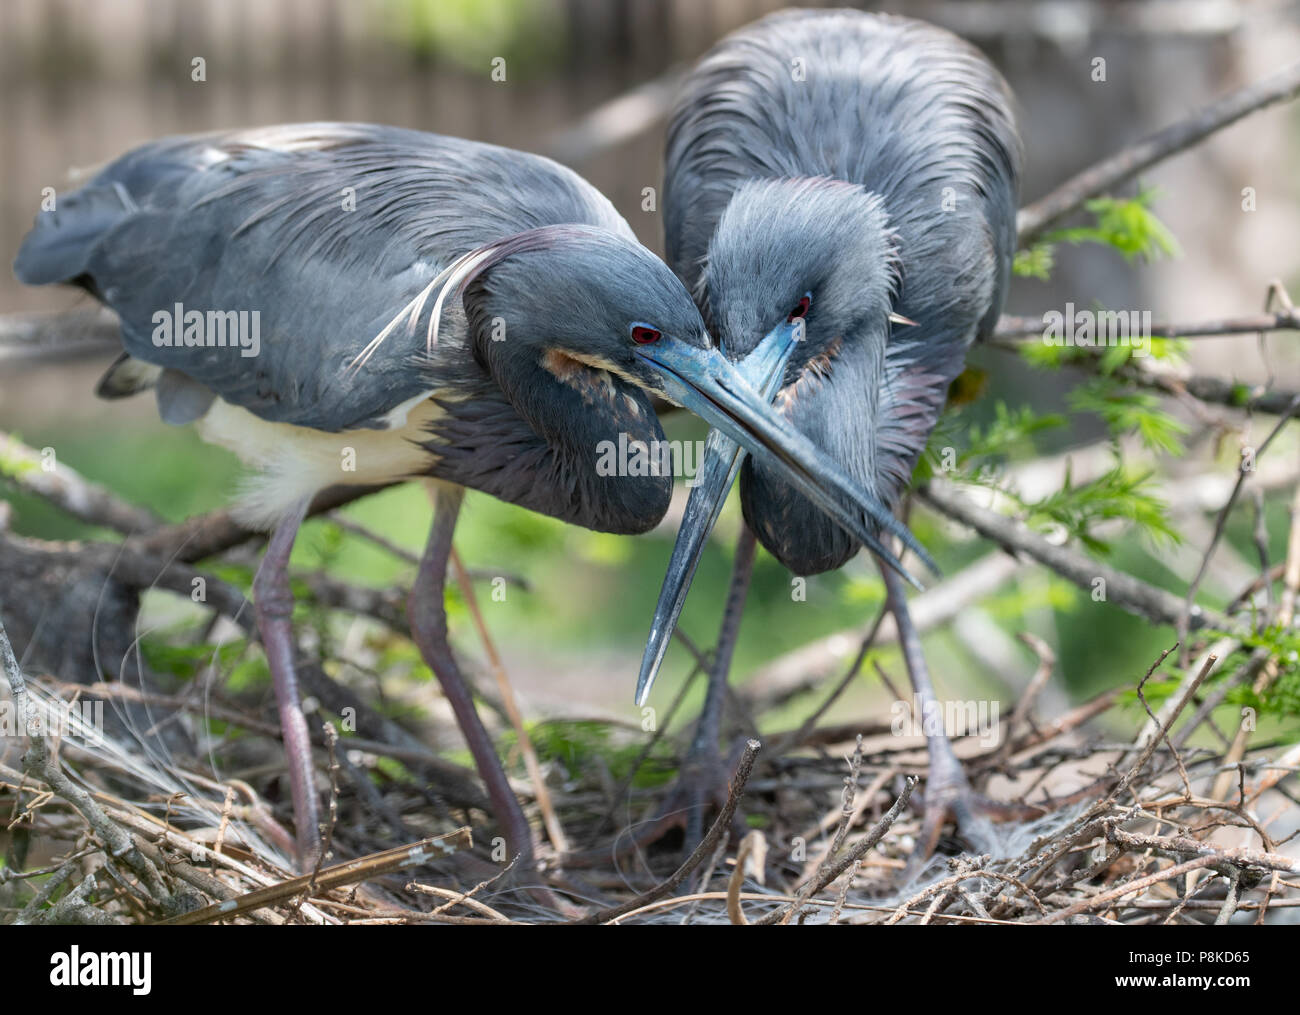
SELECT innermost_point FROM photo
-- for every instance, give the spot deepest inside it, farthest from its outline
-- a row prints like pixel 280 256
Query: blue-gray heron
pixel 355 304
pixel 853 178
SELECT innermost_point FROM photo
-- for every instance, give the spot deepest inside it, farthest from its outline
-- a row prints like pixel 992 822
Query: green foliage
pixel 1280 701
pixel 1282 696
pixel 185 661
pixel 1125 410
pixel 1019 599
pixel 13 466
pixel 1109 360
pixel 1127 225
pixel 238 575
pixel 1011 432
pixel 1035 262
pixel 527 34
pixel 1116 494
pixel 252 672
pixel 1130 227
pixel 575 744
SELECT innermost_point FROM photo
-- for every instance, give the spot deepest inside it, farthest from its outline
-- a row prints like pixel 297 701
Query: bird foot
pixel 700 791
pixel 949 797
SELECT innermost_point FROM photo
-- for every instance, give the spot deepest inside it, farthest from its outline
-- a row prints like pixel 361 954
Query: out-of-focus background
pixel 83 80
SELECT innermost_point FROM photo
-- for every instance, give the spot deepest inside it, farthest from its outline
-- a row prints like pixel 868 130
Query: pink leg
pixel 273 604
pixel 427 613
pixel 947 790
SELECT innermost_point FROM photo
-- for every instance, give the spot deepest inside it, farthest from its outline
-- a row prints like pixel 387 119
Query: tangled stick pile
pixel 1142 841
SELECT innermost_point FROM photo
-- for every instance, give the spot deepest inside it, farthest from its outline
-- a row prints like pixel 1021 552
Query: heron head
pixel 799 286
pixel 569 318
pixel 580 301
pixel 811 255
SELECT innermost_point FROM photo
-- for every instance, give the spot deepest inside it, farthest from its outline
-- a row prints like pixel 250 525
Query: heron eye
pixel 643 335
pixel 801 309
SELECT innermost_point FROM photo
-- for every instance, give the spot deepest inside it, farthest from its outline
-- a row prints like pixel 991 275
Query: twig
pixel 860 849
pixel 38 762
pixel 753 845
pixel 32 910
pixel 846 816
pixel 465 899
pixel 68 490
pixel 1285 615
pixel 1225 857
pixel 702 851
pixel 1112 895
pixel 620 119
pixel 1232 901
pixel 1131 594
pixel 1130 161
pixel 60 334
pixel 804 667
pixel 1222 520
pixel 361 869
pixel 797 737
pixel 1046 664
pixel 540 791
pixel 1127 779
pixel 1013 331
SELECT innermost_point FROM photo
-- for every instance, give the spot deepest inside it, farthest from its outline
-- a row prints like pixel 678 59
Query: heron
pixel 850 179
pixel 358 304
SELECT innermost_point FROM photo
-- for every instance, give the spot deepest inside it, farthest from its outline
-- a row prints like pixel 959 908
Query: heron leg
pixel 704 776
pixel 948 792
pixel 273 606
pixel 427 613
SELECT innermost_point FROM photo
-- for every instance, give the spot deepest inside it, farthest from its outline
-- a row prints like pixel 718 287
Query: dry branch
pixel 39 763
pixel 701 853
pixel 347 873
pixel 1127 163
pixel 1132 594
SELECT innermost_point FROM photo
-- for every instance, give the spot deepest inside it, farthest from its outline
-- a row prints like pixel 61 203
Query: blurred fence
pixel 82 80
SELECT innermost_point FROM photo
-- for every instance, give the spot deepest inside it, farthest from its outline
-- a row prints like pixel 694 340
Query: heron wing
pixel 326 230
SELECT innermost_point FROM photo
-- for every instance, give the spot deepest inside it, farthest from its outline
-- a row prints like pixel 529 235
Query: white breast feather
pixel 292 462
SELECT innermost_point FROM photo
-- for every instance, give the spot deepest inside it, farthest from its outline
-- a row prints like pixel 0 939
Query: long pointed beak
pixel 763 369
pixel 734 399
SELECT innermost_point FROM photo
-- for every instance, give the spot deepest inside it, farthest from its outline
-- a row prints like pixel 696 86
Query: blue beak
pixel 735 400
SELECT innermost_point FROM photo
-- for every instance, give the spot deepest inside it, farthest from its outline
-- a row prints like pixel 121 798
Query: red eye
pixel 642 335
pixel 801 310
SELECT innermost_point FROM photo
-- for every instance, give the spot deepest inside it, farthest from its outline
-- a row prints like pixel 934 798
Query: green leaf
pixel 184 661
pixel 1036 262
pixel 1126 225
pixel 1116 494
pixel 1127 411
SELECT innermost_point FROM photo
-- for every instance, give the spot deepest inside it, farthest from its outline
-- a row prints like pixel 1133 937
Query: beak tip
pixel 643 684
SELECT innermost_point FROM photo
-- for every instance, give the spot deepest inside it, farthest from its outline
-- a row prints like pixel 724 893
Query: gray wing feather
pixel 258 220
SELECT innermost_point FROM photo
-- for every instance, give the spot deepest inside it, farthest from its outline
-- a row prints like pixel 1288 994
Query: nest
pixel 1099 832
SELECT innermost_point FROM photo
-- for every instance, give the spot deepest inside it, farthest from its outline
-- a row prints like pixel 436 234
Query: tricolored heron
pixel 853 178
pixel 356 304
